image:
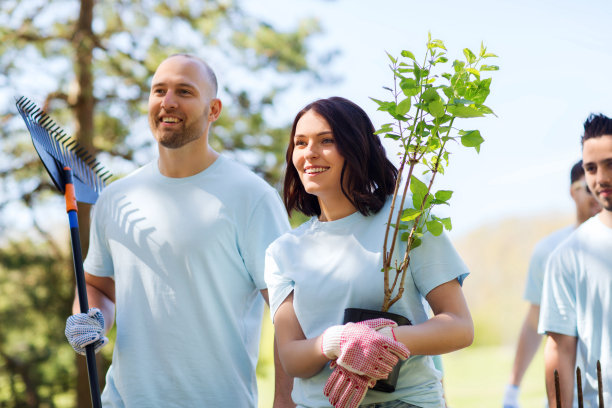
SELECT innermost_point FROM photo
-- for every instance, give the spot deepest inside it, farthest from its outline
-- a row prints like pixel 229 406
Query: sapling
pixel 425 104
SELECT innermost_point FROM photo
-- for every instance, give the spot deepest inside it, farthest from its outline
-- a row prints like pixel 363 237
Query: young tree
pixel 88 63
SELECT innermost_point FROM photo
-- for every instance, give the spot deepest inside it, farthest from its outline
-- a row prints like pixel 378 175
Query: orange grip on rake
pixel 71 201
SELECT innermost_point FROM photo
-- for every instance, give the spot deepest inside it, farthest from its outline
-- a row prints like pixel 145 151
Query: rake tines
pixel 90 176
pixel 579 387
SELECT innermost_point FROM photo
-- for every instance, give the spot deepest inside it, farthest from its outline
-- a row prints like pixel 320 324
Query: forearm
pixel 443 333
pixel 528 344
pixel 97 298
pixel 560 355
pixel 302 358
pixel 283 384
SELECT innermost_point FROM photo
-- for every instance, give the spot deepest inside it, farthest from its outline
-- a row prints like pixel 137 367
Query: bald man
pixel 176 256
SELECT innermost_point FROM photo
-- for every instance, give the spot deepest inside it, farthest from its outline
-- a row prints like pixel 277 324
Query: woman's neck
pixel 335 208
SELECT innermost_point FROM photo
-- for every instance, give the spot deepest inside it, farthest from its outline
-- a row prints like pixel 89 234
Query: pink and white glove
pixel 359 348
pixel 346 389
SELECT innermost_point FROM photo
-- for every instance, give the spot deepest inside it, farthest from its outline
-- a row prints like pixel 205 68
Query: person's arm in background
pixel 283 382
pixel 100 294
pixel 528 344
pixel 560 355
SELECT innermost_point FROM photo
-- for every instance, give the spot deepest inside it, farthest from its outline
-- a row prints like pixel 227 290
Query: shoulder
pixel 547 245
pixel 126 182
pixel 238 174
pixel 291 238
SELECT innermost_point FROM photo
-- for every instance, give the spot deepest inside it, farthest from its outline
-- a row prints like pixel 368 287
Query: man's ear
pixel 215 109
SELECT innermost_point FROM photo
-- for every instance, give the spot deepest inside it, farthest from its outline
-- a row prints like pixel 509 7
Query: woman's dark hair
pixel 368 175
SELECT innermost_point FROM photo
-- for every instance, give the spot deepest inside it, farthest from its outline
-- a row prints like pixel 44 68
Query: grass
pixel 473 378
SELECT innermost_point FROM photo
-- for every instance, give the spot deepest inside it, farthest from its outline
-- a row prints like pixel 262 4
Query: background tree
pixel 89 63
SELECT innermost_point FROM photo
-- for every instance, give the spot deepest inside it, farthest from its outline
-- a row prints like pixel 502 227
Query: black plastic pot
pixel 356 315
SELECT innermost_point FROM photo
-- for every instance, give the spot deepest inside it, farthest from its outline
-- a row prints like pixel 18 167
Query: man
pixel 577 298
pixel 529 339
pixel 178 248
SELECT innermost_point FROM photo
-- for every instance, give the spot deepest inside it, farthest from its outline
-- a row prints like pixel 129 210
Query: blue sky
pixel 555 59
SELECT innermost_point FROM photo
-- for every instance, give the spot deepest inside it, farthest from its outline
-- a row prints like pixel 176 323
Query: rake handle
pixel 77 257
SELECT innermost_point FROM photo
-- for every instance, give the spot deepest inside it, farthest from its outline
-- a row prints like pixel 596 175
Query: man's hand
pixel 84 329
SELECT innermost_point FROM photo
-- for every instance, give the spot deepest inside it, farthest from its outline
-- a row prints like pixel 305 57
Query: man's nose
pixel 169 101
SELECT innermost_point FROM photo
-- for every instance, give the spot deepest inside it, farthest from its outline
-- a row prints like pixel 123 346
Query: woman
pixel 338 173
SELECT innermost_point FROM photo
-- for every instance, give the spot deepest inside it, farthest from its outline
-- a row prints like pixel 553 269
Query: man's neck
pixel 187 160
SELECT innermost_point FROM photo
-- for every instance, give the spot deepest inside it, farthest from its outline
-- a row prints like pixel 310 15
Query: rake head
pixel 57 150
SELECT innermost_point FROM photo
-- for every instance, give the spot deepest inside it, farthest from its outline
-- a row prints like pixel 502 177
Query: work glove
pixel 83 329
pixel 346 389
pixel 511 396
pixel 359 348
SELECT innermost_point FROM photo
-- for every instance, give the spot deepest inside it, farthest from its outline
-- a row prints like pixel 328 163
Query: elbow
pixel 468 333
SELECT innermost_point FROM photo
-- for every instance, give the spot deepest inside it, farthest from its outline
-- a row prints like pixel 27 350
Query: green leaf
pixel 489 68
pixel 403 107
pixel 474 72
pixel 447 223
pixel 469 56
pixel 387 127
pixel 392 136
pixel 430 95
pixel 418 189
pixel 471 138
pixel 435 227
pixel 441 59
pixel 393 59
pixel 409 214
pixel 436 108
pixel 461 111
pixel 408 54
pixel 415 243
pixel 410 87
pixel 443 195
pixel 489 55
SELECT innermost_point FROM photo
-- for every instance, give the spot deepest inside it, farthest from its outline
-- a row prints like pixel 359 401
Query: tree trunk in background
pixel 83 100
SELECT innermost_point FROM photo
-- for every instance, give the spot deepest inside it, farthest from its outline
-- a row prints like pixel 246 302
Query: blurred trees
pixel 88 63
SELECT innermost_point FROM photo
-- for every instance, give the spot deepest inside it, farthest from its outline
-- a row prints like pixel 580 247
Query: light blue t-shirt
pixel 537 264
pixel 335 265
pixel 577 301
pixel 187 257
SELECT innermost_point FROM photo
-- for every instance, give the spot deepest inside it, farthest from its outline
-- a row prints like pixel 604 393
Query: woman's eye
pixel 328 140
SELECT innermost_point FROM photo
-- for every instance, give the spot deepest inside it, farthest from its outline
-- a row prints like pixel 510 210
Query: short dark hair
pixel 370 176
pixel 596 126
pixel 577 172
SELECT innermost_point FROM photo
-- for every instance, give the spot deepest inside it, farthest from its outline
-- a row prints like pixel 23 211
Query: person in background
pixel 338 173
pixel 177 252
pixel 529 341
pixel 577 298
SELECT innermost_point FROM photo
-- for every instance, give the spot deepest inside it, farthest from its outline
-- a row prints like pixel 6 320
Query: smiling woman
pixel 338 173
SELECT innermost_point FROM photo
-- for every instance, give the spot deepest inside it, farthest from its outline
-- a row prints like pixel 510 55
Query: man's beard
pixel 180 137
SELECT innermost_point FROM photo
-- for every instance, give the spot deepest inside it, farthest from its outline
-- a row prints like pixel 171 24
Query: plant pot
pixel 356 315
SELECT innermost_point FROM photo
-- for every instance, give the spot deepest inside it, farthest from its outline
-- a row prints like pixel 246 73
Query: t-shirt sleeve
pixel 434 262
pixel 267 222
pixel 98 261
pixel 558 307
pixel 279 285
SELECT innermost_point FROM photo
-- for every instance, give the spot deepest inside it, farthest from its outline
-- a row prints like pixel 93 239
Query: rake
pixel 79 177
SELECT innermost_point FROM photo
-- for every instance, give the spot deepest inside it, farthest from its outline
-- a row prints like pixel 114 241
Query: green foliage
pixel 427 100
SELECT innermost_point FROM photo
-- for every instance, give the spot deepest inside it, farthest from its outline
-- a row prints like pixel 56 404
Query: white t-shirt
pixel 537 264
pixel 187 257
pixel 335 265
pixel 577 301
